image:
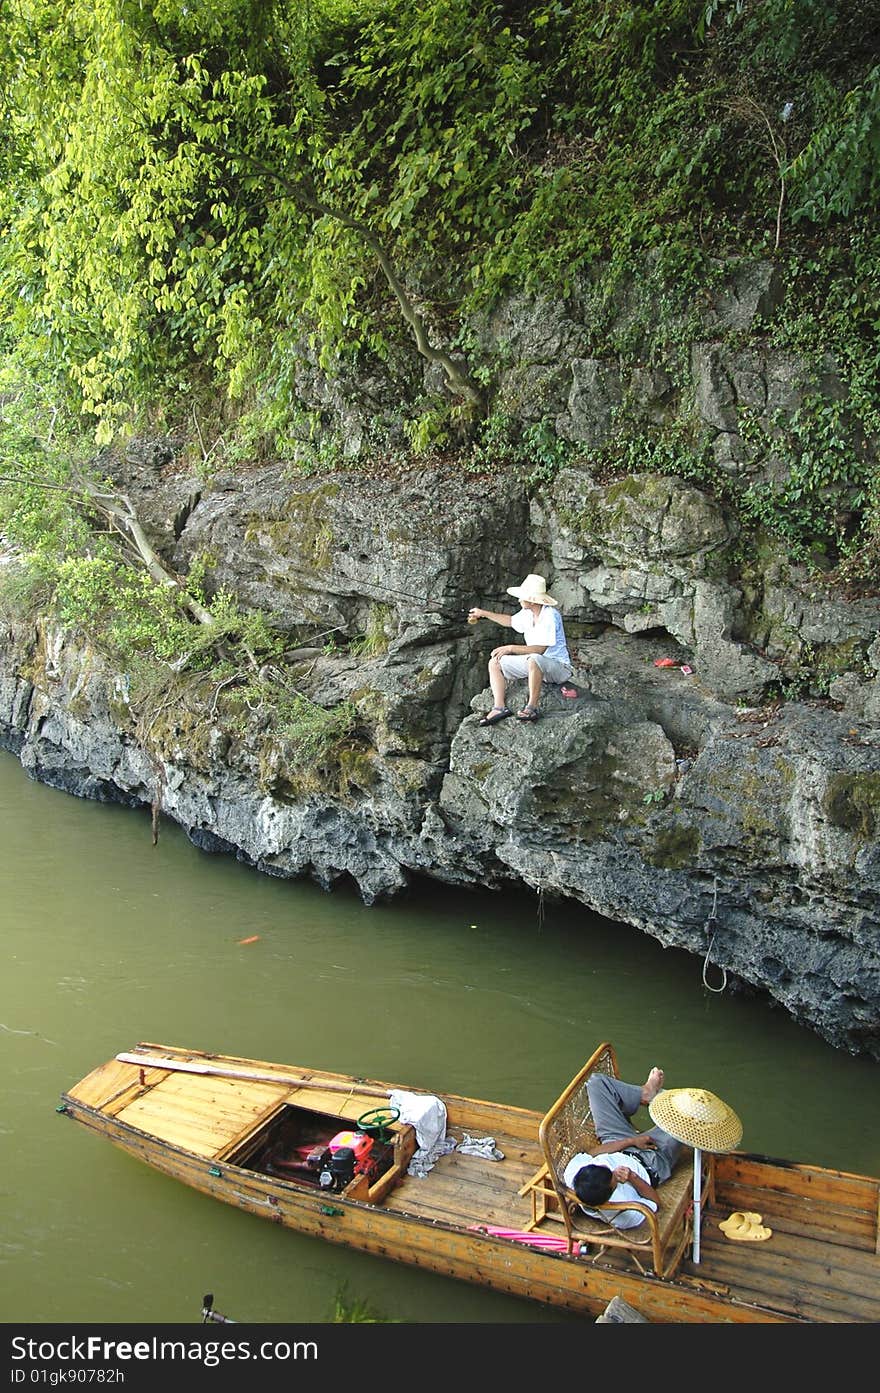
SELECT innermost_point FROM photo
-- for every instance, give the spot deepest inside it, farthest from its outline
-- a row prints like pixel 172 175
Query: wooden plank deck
pixel 202 1115
pixel 465 1190
pixel 819 1264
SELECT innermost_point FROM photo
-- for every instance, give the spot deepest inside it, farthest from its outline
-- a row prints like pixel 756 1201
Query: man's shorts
pixel 515 665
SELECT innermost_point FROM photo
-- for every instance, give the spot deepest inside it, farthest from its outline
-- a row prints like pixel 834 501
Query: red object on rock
pixel 665 662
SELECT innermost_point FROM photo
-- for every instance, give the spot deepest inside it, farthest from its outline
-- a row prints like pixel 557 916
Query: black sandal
pixel 528 713
pixel 498 713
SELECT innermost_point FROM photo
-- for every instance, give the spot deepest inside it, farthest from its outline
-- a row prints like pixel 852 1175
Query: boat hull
pixel 223 1125
pixel 507 1266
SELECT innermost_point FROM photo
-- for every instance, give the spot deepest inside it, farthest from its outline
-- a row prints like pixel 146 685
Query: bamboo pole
pixel 191 1066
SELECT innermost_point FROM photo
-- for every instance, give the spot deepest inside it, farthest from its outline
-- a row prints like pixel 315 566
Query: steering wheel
pixel 376 1121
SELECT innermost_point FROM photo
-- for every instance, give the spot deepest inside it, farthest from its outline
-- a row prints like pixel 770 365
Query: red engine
pixel 350 1154
pixel 332 1164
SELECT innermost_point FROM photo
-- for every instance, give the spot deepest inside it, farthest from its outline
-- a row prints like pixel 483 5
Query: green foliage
pixel 126 612
pixel 838 169
pixel 670 449
pixel 826 482
pixel 532 449
pixel 373 642
pixel 429 431
pixel 66 558
pixel 211 182
pixel 817 666
pixel 348 1309
pixel 310 730
pixel 195 195
pixel 825 503
pixel 312 734
pixel 40 451
pixel 208 200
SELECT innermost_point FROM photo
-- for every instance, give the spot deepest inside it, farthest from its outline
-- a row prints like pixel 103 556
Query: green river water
pixel 108 940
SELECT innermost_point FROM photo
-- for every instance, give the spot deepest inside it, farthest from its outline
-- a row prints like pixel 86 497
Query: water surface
pixel 108 940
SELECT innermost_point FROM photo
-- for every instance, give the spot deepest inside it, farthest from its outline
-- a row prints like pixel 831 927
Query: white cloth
pixel 426 1113
pixel 480 1146
pixel 624 1218
pixel 425 1158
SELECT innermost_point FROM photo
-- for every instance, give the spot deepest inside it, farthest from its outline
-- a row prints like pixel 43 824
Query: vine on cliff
pixel 209 203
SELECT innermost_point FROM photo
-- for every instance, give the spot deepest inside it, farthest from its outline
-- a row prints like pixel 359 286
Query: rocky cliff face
pixel 697 806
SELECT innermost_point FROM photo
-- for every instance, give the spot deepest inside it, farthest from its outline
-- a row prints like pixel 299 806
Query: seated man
pixel 613 1171
pixel 543 654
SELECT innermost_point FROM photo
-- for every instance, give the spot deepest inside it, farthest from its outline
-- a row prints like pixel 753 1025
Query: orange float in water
pixel 253 939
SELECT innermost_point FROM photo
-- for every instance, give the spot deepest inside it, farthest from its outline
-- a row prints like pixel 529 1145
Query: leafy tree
pixel 199 192
pixel 196 198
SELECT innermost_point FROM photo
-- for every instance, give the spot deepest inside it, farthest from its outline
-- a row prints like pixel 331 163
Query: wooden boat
pixel 266 1138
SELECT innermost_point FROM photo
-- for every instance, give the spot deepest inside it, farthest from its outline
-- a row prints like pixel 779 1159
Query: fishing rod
pixel 425 600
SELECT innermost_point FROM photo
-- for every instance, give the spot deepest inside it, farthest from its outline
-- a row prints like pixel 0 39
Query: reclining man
pixel 613 1172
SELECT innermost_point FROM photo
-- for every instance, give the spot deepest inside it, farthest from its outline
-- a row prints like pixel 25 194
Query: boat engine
pixel 305 1160
pixel 348 1154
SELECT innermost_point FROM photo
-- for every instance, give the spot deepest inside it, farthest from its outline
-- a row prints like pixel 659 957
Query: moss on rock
pixel 852 802
pixel 674 847
pixel 303 529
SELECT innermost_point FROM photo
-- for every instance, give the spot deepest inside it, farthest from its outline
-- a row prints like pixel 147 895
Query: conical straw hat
pixel 696 1117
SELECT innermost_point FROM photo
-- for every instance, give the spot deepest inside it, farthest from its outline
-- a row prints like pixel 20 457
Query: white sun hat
pixel 533 591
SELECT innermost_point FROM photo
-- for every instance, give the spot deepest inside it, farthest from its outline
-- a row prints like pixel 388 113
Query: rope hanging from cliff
pixel 710 925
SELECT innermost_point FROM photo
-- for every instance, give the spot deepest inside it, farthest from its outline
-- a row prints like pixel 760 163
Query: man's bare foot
pixel 652 1085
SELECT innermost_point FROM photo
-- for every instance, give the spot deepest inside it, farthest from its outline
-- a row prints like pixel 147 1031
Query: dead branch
pixel 746 106
pixel 119 510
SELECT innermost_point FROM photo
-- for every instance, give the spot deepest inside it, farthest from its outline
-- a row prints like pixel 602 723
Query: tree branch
pixel 127 521
pixel 778 157
pixel 457 378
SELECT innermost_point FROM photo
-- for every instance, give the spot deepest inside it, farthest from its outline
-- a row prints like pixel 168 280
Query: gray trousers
pixel 613 1103
pixel 516 665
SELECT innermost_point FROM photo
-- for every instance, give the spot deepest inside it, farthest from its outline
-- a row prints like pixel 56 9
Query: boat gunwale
pixel 291 1185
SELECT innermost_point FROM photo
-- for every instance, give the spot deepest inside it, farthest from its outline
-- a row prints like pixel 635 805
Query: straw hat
pixel 533 591
pixel 697 1118
pixel 744 1226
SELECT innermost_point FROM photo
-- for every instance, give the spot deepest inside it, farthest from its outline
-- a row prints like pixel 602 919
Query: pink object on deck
pixel 537 1240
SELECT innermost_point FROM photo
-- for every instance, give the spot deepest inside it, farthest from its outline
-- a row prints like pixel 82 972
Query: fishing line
pixel 713 920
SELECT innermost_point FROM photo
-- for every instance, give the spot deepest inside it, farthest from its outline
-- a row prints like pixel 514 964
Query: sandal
pixel 528 713
pixel 498 713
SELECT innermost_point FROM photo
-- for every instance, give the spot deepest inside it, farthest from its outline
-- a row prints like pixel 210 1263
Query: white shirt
pixel 544 628
pixel 624 1218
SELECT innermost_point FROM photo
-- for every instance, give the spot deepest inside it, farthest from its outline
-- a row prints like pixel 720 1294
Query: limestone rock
pixel 653 798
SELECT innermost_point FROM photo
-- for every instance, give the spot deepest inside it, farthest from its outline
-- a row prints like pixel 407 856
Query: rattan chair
pixel 658 1242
